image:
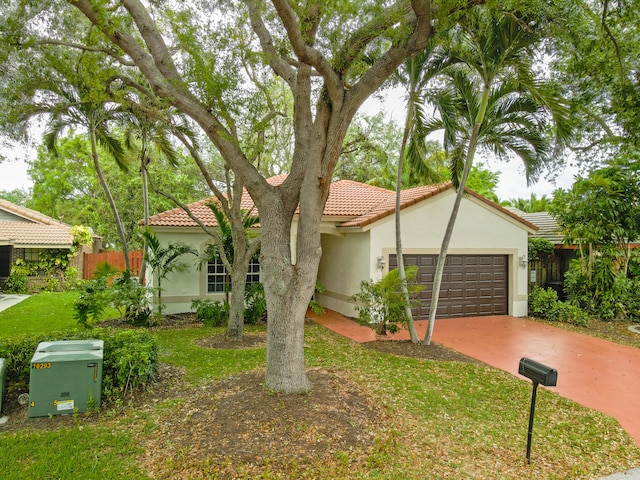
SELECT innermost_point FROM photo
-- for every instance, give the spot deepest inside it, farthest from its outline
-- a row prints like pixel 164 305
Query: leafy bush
pixel 125 294
pixel 130 358
pixel 544 303
pixel 255 304
pixel 92 301
pixel 17 280
pixel 131 299
pixel 539 249
pixel 607 295
pixel 211 313
pixel 381 305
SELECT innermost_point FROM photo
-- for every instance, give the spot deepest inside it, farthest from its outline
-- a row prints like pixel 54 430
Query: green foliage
pixel 601 213
pixel 211 313
pixel 93 300
pixel 164 260
pixel 255 304
pixel 130 358
pixel 539 249
pixel 544 303
pixel 131 299
pixel 17 280
pixel 607 295
pixel 313 304
pixel 125 293
pixel 380 304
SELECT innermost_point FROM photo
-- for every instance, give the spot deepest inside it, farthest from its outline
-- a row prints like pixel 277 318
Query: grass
pixel 442 419
pixel 45 313
pixel 69 453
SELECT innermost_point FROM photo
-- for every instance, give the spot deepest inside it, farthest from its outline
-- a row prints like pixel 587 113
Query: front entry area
pixel 472 285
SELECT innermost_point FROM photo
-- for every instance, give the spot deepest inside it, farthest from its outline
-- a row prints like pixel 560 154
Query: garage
pixel 472 285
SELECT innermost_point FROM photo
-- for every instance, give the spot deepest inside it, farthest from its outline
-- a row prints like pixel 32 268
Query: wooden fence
pixel 115 259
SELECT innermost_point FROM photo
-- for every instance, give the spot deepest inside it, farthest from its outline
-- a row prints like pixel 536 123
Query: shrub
pixel 131 299
pixel 92 301
pixel 255 304
pixel 567 313
pixel 211 313
pixel 544 303
pixel 17 280
pixel 381 305
pixel 130 358
pixel 539 249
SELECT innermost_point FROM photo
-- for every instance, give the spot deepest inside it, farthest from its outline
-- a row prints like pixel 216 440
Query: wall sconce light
pixel 381 262
pixel 523 261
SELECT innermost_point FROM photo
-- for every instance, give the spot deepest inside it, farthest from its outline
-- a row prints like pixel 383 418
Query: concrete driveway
pixel 8 300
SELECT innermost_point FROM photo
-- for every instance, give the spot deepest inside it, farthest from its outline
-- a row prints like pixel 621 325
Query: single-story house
pixel 24 233
pixel 486 270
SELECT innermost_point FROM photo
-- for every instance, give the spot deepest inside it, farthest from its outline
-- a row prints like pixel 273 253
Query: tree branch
pixel 280 66
pixel 302 45
pixel 52 41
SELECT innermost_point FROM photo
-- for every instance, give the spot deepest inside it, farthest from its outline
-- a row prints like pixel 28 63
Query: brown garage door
pixel 472 285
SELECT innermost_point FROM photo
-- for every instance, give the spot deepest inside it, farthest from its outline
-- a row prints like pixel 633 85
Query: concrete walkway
pixel 595 373
pixel 8 300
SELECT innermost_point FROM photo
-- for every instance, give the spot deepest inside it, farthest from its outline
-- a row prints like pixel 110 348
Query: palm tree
pixel 148 131
pixel 531 204
pixel 164 260
pixel 416 73
pixel 74 107
pixel 490 99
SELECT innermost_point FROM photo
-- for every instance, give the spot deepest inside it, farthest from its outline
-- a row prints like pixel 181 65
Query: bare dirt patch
pixel 236 422
pixel 248 340
pixel 405 348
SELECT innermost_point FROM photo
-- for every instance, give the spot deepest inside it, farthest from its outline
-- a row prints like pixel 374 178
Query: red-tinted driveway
pixel 596 373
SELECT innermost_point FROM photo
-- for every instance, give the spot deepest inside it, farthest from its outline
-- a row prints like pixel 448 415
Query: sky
pixel 512 184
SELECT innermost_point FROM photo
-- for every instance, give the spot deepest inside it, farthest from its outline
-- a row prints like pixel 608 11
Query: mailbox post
pixel 539 374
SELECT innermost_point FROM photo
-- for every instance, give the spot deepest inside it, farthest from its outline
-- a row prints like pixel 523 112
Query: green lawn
pixel 42 313
pixel 444 419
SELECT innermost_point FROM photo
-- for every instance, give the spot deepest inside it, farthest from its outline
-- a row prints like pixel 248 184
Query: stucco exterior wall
pixel 180 288
pixel 345 263
pixel 480 229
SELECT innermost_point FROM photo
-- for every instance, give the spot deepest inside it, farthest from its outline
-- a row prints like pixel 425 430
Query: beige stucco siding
pixel 180 288
pixel 345 263
pixel 479 229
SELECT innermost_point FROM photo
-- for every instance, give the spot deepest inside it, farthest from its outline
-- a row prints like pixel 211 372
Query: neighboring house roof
pixel 22 227
pixel 548 227
pixel 350 203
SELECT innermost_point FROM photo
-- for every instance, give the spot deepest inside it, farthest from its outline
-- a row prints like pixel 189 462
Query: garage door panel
pixel 472 285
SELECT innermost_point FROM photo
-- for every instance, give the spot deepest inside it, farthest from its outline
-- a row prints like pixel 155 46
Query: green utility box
pixel 3 380
pixel 66 377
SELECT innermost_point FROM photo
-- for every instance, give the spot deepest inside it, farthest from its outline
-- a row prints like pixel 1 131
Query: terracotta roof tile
pixel 22 234
pixel 28 214
pixel 356 204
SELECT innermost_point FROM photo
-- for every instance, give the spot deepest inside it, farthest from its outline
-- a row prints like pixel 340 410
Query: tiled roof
pixel 548 227
pixel 28 234
pixel 354 204
pixel 28 214
pixel 32 229
pixel 386 204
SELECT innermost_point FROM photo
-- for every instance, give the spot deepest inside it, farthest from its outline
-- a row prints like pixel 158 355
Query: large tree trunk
pixel 288 288
pixel 235 325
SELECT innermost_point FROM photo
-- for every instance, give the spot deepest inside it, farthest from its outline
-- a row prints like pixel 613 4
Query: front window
pixel 219 282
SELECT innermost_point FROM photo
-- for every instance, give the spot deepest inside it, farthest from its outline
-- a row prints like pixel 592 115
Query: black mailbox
pixel 537 372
